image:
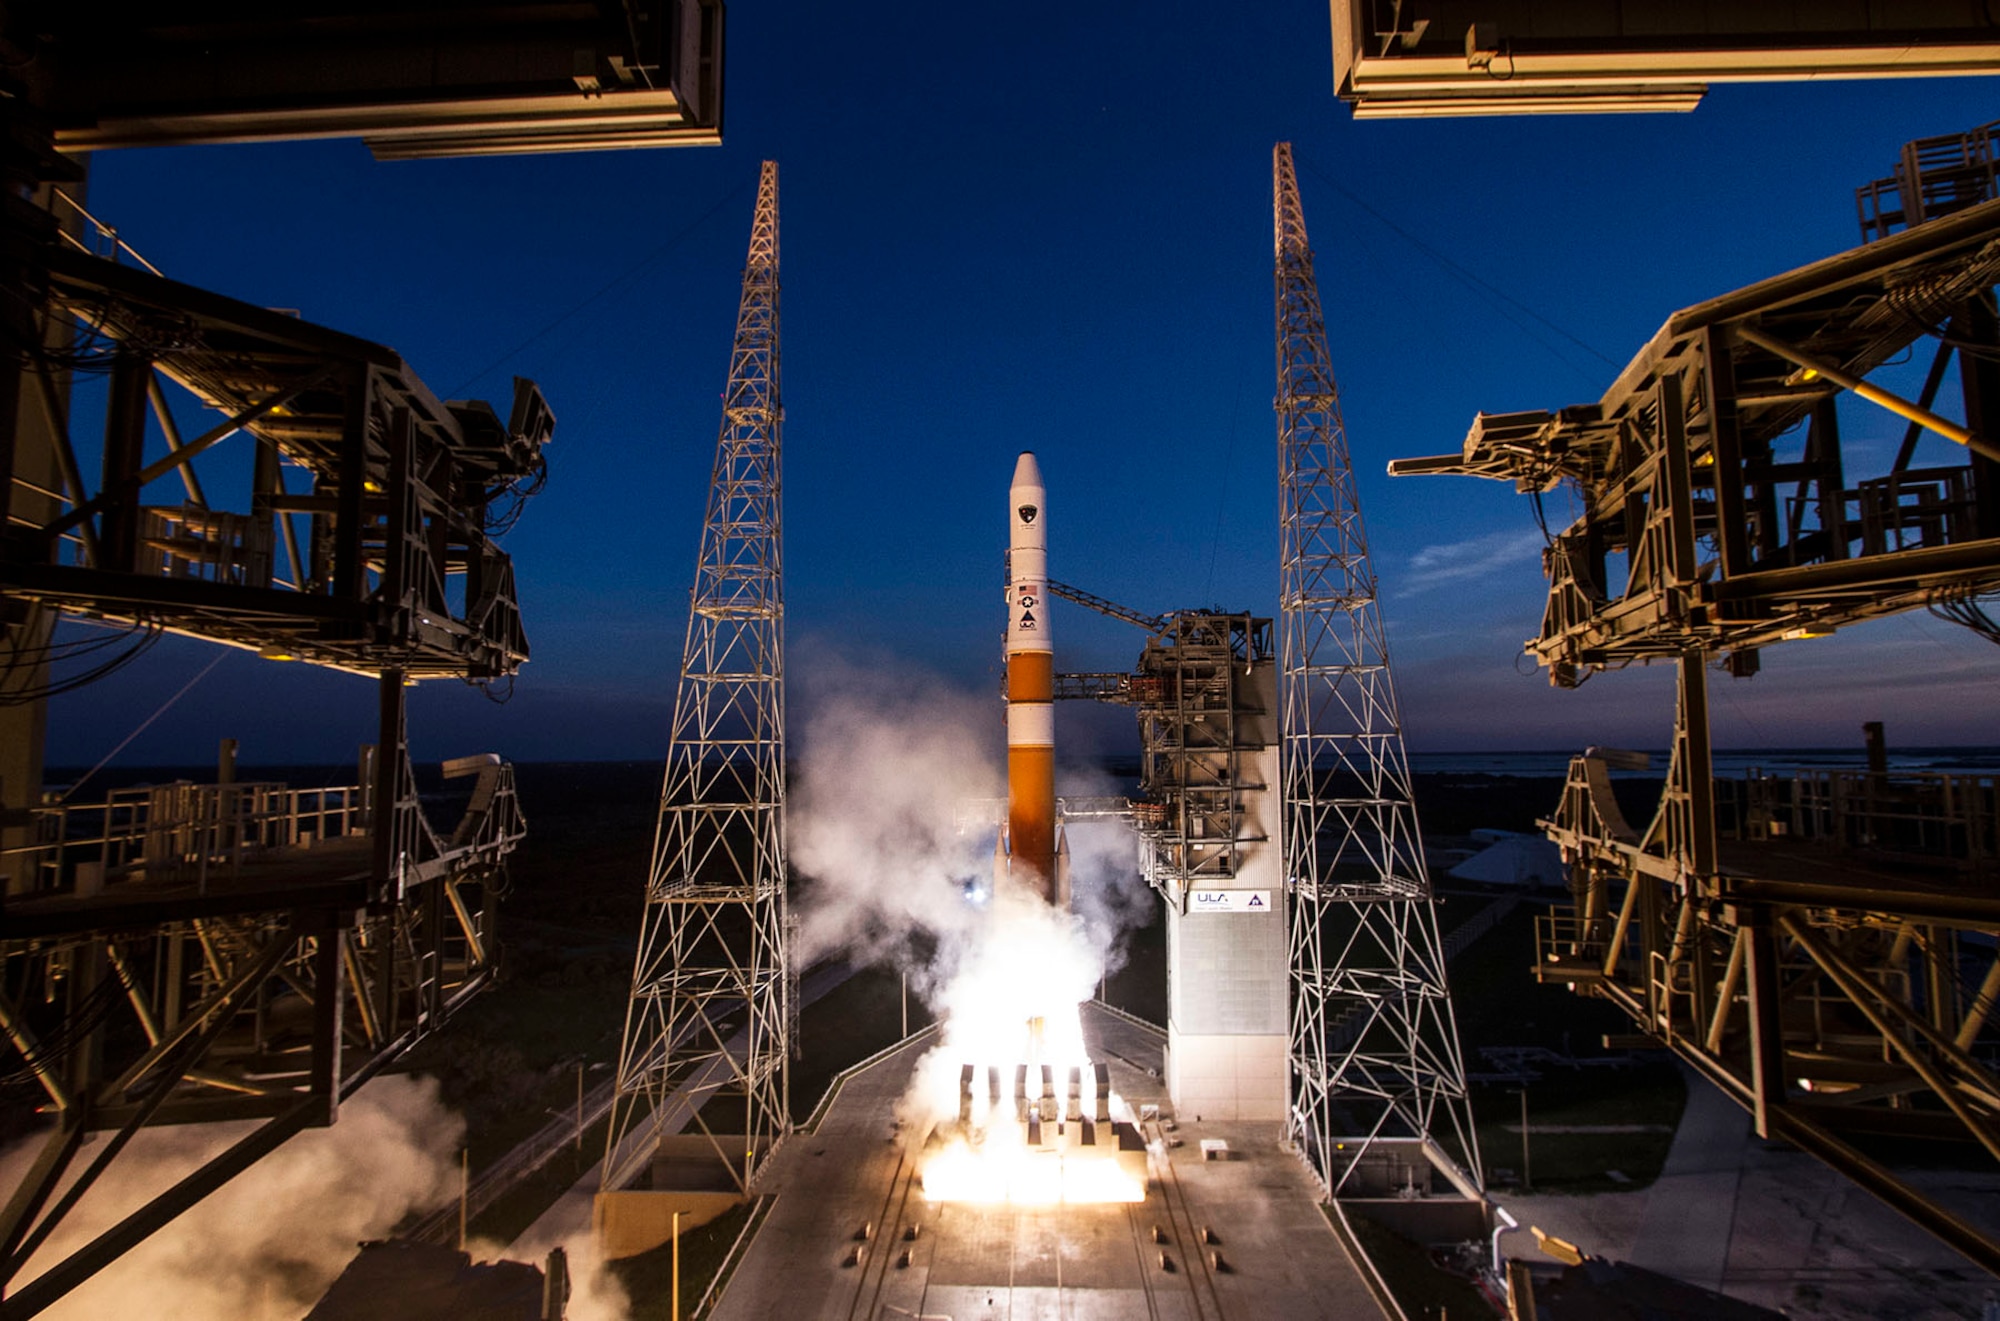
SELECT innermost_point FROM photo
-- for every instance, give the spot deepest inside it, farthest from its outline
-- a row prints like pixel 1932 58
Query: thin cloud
pixel 1455 561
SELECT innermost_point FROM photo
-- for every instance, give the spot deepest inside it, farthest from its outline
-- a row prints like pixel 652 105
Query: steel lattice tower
pixel 1374 1044
pixel 708 1023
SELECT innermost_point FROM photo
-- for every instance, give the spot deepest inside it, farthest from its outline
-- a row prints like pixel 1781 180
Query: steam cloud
pixel 893 820
pixel 266 1245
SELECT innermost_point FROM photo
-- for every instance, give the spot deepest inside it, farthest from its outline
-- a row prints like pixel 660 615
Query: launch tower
pixel 1374 1044
pixel 707 1029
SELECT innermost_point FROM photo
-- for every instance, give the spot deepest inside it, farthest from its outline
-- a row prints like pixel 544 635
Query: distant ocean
pixel 1729 763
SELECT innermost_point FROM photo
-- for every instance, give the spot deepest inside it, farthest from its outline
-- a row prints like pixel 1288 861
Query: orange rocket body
pixel 1031 852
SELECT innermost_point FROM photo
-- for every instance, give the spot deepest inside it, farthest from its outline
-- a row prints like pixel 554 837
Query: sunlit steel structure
pixel 1820 948
pixel 240 950
pixel 410 78
pixel 1422 58
pixel 1374 1042
pixel 709 1022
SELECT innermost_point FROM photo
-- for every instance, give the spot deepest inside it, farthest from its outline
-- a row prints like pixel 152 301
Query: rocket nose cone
pixel 1026 471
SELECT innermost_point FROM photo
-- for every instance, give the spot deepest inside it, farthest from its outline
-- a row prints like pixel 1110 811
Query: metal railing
pixel 1947 819
pixel 180 831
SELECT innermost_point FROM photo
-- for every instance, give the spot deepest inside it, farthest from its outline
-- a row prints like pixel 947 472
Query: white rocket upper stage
pixel 1028 560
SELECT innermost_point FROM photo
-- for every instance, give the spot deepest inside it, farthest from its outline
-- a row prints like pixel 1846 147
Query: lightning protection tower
pixel 1374 1044
pixel 702 1076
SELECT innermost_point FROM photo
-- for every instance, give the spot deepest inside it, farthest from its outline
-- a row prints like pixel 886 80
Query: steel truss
pixel 710 1020
pixel 1838 991
pixel 236 951
pixel 1821 948
pixel 1374 1042
pixel 1720 512
pixel 1204 714
pixel 379 553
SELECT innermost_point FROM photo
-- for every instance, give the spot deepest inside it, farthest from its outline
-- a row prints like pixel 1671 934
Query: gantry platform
pixel 1236 1237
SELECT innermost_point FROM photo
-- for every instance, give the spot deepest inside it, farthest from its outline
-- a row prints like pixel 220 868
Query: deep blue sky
pixel 1047 229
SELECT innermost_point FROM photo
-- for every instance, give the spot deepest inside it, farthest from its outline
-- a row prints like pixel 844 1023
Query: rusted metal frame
pixel 1683 567
pixel 1680 948
pixel 171 430
pixel 1978 1247
pixel 207 440
pixel 183 1050
pixel 45 1289
pixel 1869 999
pixel 265 484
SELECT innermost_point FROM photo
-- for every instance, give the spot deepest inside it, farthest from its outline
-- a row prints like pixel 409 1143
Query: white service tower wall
pixel 1228 980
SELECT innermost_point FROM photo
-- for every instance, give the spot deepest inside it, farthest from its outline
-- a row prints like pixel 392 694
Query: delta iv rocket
pixel 1031 851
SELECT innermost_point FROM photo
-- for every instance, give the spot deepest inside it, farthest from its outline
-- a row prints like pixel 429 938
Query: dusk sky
pixel 1047 229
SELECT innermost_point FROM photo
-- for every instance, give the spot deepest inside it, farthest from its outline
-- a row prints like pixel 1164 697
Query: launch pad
pixel 1230 1225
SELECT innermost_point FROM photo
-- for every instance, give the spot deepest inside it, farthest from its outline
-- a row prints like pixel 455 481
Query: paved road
pixel 1773 1226
pixel 1691 1214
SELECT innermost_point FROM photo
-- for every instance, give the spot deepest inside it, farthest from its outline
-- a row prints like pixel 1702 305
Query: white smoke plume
pixel 893 818
pixel 267 1244
pixel 594 1292
pixel 878 819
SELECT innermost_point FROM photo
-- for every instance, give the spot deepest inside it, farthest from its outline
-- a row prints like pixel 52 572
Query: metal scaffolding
pixel 1203 694
pixel 241 951
pixel 1374 1043
pixel 708 1027
pixel 1820 948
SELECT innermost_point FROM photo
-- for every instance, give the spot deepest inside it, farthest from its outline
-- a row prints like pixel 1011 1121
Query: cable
pixel 1454 268
pixel 74 1029
pixel 1960 605
pixel 146 635
pixel 490 689
pixel 1221 504
pixel 143 724
pixel 630 273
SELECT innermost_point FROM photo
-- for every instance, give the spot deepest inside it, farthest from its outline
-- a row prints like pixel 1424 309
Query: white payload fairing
pixel 1031 850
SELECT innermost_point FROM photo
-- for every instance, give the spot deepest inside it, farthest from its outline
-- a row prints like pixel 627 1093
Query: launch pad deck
pixel 1237 1237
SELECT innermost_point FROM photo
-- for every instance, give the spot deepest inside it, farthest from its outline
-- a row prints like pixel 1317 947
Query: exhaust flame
pixel 890 759
pixel 1012 1019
